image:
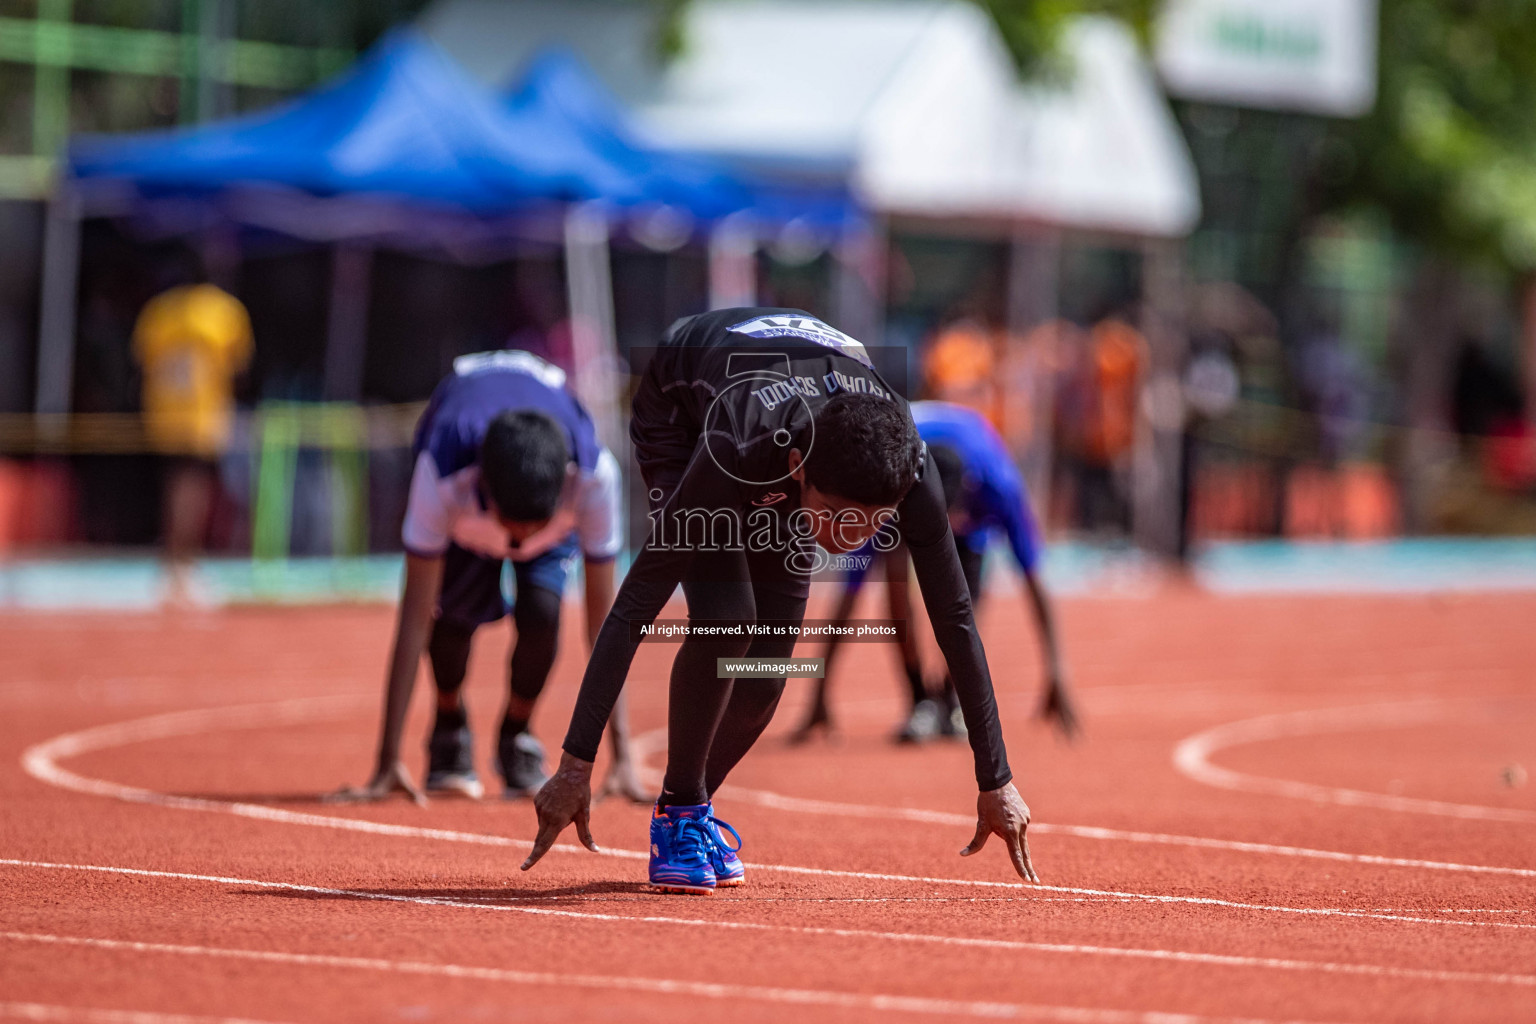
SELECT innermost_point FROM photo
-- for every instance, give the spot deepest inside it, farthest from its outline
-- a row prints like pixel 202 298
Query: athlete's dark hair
pixel 522 464
pixel 866 450
pixel 951 472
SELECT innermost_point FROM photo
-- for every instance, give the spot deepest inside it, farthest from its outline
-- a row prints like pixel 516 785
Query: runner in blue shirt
pixel 985 495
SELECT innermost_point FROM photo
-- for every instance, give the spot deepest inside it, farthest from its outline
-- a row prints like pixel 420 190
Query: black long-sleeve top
pixel 723 393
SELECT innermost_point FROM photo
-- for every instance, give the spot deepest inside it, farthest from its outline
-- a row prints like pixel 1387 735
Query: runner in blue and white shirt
pixel 985 496
pixel 508 471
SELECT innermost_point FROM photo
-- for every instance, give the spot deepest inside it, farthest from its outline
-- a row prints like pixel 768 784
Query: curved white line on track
pixel 1117 952
pixel 649 986
pixel 91 1015
pixel 1193 757
pixel 800 805
pixel 41 762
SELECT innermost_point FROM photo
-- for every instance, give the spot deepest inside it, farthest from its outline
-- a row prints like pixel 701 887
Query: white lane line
pixel 653 986
pixel 117 691
pixel 649 741
pixel 1193 756
pixel 1204 901
pixel 1449 910
pixel 1118 952
pixel 799 805
pixel 41 762
pixel 89 1015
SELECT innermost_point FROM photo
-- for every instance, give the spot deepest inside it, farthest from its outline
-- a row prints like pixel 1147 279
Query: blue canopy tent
pixel 559 100
pixel 407 123
pixel 403 148
pixel 558 89
pixel 558 94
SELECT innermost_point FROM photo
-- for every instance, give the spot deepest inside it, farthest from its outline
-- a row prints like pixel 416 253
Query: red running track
pixel 1284 809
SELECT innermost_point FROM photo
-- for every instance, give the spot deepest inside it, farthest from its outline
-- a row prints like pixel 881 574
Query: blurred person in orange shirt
pixel 960 366
pixel 191 342
pixel 1097 419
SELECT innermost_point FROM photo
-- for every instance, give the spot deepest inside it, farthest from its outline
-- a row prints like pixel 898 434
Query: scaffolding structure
pixel 160 63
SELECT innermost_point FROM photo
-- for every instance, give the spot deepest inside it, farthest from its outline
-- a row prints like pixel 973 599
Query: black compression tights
pixel 537 616
pixel 713 722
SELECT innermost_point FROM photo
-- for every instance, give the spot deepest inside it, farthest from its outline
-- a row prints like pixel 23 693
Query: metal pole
pixel 1155 474
pixel 56 327
pixel 1034 271
pixel 733 263
pixel 594 330
pixel 215 24
pixel 858 299
pixel 346 342
pixel 594 335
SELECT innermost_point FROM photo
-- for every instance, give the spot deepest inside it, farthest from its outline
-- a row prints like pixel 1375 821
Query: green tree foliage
pixel 1449 152
pixel 1031 28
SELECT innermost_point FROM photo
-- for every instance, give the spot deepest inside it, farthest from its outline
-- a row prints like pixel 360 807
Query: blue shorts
pixel 472 593
pixel 861 558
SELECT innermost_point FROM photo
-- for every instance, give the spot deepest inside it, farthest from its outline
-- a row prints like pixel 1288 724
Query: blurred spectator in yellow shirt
pixel 191 341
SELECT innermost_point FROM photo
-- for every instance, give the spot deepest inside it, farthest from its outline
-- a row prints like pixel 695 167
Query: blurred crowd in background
pixel 1332 335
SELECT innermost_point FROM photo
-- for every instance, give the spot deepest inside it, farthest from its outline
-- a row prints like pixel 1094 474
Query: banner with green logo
pixel 1311 55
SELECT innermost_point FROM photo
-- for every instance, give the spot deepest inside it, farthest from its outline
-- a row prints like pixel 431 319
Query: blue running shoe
pixel 681 847
pixel 728 869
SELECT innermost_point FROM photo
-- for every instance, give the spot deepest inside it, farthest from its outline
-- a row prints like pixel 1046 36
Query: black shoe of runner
pixel 922 724
pixel 952 723
pixel 451 757
pixel 521 762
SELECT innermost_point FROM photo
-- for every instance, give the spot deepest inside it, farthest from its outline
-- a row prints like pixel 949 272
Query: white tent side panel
pixel 783 79
pixel 931 145
pixel 1106 152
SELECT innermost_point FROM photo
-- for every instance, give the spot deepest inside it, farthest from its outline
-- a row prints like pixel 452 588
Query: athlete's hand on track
pixel 1057 707
pixel 622 780
pixel 1003 811
pixel 565 798
pixel 387 781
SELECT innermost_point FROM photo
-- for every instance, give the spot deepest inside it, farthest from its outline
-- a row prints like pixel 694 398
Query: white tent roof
pixel 916 101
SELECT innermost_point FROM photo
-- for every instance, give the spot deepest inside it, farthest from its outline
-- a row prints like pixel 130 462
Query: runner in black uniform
pixel 761 433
